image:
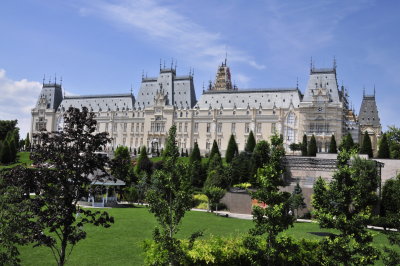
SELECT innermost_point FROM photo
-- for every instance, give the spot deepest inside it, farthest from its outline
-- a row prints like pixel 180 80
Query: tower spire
pixel 334 62
pixel 297 82
pixel 311 65
pixel 374 90
pixel 44 77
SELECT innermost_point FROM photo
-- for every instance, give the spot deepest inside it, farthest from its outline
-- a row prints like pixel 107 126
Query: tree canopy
pixel 312 147
pixel 332 145
pixel 232 150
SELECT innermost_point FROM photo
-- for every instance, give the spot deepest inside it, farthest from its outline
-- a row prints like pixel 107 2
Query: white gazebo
pixel 109 182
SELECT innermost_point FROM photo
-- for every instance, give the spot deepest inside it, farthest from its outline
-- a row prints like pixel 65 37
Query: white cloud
pixel 17 99
pixel 171 29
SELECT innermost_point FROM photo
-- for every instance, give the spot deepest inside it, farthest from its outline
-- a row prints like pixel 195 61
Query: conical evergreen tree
pixel 5 152
pixel 214 150
pixel 366 147
pixel 384 151
pixel 13 150
pixel 27 142
pixel 312 147
pixel 347 143
pixel 332 145
pixel 143 162
pixel 232 150
pixel 304 146
pixel 195 155
pixel 251 143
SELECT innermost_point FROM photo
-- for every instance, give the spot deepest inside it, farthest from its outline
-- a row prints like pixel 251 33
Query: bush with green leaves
pixel 214 195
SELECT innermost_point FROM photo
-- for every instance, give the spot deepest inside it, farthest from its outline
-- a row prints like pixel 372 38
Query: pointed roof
pixel 223 79
pixel 368 115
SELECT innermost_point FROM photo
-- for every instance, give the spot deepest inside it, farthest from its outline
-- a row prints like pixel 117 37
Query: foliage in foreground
pixel 64 162
pixel 236 251
pixel 345 204
pixel 169 197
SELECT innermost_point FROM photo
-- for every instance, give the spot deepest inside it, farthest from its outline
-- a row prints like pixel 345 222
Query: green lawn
pixel 23 158
pixel 121 243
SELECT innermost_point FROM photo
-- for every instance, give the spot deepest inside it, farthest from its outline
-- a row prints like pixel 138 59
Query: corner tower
pixel 369 120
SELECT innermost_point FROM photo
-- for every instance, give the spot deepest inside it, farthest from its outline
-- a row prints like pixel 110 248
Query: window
pixel 219 128
pixel 208 127
pixel 115 127
pixel 180 127
pixel 258 127
pixel 106 129
pixel 142 128
pixel 247 128
pixel 124 141
pixel 233 128
pixel 273 128
pixel 137 127
pixel 207 144
pixel 219 143
pixel 132 127
pixel 125 126
pixel 196 127
pixel 186 125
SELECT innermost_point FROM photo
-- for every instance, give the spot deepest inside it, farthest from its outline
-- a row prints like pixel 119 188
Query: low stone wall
pixel 237 202
pixel 240 202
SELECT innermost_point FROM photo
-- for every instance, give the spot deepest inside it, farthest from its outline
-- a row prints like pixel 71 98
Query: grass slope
pixel 121 243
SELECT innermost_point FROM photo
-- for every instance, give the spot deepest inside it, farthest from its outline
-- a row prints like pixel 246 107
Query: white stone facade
pixel 169 99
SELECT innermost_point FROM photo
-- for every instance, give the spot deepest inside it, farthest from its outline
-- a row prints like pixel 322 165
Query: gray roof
pixel 98 103
pixel 368 115
pixel 324 78
pixel 53 95
pixel 178 89
pixel 250 98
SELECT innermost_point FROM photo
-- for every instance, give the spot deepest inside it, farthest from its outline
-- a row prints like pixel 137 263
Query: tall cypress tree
pixel 195 155
pixel 347 143
pixel 2 150
pixel 304 146
pixel 232 150
pixel 251 143
pixel 332 145
pixel 312 146
pixel 214 149
pixel 366 147
pixel 143 162
pixel 27 142
pixel 384 151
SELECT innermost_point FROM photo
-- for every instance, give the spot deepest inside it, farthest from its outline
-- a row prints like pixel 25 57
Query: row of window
pixel 233 127
pixel 124 127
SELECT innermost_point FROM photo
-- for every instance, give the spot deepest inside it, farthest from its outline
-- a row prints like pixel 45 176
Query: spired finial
pixel 61 81
pixel 226 56
pixel 143 70
pixel 192 72
pixel 164 63
pixel 334 62
pixel 311 65
pixel 160 64
pixel 297 82
pixel 172 63
pixel 363 91
pixel 374 90
pixel 44 77
pixel 55 78
pixel 131 89
pixel 176 64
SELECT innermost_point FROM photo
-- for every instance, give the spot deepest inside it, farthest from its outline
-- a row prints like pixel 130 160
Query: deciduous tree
pixel 65 161
pixel 169 197
pixel 345 204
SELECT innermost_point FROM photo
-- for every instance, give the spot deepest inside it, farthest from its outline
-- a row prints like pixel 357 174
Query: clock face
pixel 60 123
pixel 320 109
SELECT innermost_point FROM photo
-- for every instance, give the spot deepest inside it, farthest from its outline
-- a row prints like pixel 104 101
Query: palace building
pixel 221 110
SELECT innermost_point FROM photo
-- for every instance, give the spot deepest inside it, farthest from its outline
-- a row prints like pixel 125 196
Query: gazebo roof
pixel 107 180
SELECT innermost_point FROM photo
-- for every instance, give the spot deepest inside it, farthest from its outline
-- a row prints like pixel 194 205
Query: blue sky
pixel 103 46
